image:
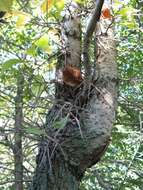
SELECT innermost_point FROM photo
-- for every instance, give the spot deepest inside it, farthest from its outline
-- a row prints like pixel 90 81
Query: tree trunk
pixel 17 151
pixel 85 114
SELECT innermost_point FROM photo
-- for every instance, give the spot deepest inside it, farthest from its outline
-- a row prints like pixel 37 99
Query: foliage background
pixel 29 47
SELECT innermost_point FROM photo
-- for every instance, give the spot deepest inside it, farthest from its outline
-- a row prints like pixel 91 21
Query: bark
pixel 18 154
pixel 88 35
pixel 87 114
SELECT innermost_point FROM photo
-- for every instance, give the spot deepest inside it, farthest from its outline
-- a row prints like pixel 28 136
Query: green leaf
pixel 38 85
pixel 46 5
pixel 127 11
pixel 37 88
pixel 32 51
pixel 60 4
pixel 5 5
pixel 43 43
pixel 34 131
pixel 55 10
pixel 80 2
pixel 22 18
pixel 60 124
pixel 130 24
pixel 10 63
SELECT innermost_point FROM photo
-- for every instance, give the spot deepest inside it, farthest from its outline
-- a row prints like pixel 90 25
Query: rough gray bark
pixel 89 112
pixel 71 34
pixel 17 150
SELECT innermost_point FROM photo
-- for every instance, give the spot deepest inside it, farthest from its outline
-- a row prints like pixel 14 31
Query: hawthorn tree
pixel 85 112
pixel 40 40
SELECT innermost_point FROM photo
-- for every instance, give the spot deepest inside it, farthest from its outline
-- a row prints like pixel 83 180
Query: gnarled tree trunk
pixel 86 114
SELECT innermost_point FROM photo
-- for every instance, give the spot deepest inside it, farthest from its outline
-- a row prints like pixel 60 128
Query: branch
pixel 102 183
pixel 88 35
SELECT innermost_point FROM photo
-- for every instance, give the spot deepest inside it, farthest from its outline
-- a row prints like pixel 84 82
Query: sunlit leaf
pixel 5 5
pixel 56 8
pixel 127 11
pixel 60 4
pixel 22 18
pixel 32 51
pixel 131 25
pixel 43 43
pixel 46 5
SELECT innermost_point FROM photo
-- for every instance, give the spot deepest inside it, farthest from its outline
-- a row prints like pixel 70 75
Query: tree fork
pixel 61 162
